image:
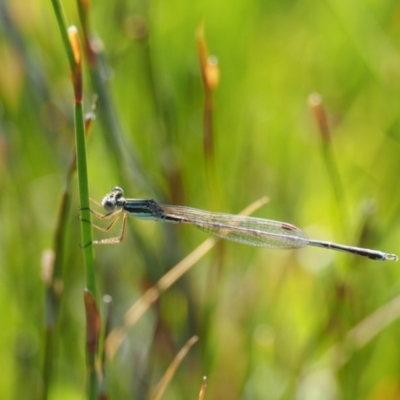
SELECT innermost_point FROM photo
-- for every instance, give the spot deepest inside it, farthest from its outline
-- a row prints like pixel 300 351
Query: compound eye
pixel 108 203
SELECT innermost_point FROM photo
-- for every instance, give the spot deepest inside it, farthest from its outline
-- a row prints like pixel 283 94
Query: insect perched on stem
pixel 248 230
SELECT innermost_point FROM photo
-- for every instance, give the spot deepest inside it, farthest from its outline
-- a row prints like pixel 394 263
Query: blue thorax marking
pixel 146 209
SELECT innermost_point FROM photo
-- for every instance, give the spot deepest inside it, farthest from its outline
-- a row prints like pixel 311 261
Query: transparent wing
pixel 248 230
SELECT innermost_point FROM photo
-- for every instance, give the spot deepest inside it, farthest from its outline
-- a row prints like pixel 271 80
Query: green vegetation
pixel 271 324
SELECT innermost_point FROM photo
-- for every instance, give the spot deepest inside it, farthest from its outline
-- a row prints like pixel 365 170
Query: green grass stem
pixel 72 46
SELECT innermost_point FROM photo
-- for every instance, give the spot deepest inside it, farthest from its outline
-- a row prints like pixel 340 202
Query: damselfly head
pixel 113 199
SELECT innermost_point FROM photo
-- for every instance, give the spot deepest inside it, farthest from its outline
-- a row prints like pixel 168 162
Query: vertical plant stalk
pixel 83 182
pixel 107 312
pixel 93 323
pixel 210 76
pixel 63 30
pixel 315 103
pixel 86 229
pixel 73 49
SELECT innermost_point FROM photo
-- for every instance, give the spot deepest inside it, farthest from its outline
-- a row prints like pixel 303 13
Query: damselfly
pixel 248 230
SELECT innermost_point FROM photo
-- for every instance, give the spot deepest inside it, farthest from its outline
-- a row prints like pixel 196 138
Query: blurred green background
pixel 302 324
